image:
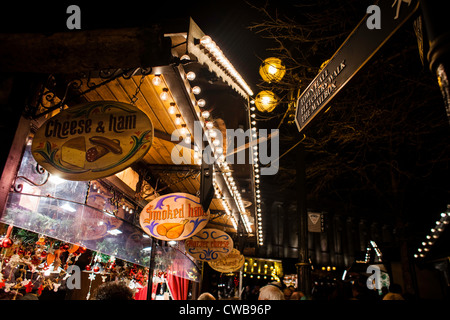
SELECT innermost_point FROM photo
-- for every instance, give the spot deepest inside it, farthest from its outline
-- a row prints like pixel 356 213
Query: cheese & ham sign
pixel 92 140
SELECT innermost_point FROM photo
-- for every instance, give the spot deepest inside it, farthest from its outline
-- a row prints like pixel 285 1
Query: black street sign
pixel 377 26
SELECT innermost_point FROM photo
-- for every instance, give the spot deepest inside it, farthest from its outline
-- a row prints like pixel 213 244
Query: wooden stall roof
pixel 150 102
pixel 171 162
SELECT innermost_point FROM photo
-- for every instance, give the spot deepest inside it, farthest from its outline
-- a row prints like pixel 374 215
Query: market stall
pixel 100 146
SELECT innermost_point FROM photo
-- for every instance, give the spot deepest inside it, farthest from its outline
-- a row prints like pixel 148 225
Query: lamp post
pixel 272 70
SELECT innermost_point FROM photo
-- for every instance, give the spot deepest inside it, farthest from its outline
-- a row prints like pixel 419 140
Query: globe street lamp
pixel 272 70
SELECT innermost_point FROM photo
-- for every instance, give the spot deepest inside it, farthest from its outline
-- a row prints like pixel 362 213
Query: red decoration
pixel 41 287
pixel 81 250
pixel 29 287
pixel 88 268
pixel 6 242
pixel 96 269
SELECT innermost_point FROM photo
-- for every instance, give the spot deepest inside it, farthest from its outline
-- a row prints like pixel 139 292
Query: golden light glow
pixel 266 101
pixel 272 70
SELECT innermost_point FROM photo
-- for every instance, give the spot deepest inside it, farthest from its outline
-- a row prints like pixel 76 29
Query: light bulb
pixel 212 133
pixel 205 40
pixel 209 125
pixel 190 75
pixel 205 114
pixel 201 103
pixel 156 80
pixel 196 90
pixel 183 129
pixel 272 70
pixel 178 119
pixel 164 95
pixel 172 108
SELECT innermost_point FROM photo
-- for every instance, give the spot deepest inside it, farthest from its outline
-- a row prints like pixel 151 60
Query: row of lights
pixel 216 55
pixel 215 141
pixel 264 277
pixel 271 70
pixel 254 150
pixel 373 246
pixel 181 124
pixel 208 50
pixel 173 110
pixel 225 204
pixel 434 234
pixel 260 270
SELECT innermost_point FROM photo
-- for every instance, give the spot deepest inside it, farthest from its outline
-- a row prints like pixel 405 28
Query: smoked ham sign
pixel 174 216
pixel 93 140
pixel 209 244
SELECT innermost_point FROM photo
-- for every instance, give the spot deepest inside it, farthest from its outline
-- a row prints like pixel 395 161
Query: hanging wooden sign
pixel 230 263
pixel 93 140
pixel 359 47
pixel 209 244
pixel 175 216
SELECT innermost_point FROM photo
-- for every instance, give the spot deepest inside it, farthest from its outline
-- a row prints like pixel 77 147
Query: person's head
pixel 270 292
pixel 206 296
pixel 113 291
pixel 393 296
pixel 288 292
pixel 296 295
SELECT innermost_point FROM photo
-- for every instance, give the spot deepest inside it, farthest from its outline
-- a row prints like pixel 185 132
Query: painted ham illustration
pixel 171 230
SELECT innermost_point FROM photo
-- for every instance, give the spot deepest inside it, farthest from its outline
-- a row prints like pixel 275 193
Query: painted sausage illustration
pixel 101 147
pixel 111 145
pixel 95 153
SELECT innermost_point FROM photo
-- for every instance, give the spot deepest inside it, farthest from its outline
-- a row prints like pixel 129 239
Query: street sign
pixel 364 41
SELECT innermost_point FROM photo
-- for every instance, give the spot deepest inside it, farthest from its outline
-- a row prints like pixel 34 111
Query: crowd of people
pixel 356 290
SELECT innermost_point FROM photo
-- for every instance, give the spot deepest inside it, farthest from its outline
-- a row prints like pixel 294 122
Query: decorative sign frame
pixel 209 244
pixel 175 216
pixel 230 263
pixel 93 140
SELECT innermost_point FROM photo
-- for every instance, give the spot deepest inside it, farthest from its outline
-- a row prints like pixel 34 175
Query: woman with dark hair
pixel 113 291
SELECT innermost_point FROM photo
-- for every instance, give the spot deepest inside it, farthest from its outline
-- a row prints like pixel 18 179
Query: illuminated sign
pixel 230 263
pixel 93 140
pixel 357 49
pixel 175 216
pixel 209 244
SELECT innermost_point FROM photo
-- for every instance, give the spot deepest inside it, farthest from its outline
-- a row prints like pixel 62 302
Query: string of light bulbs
pixel 213 138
